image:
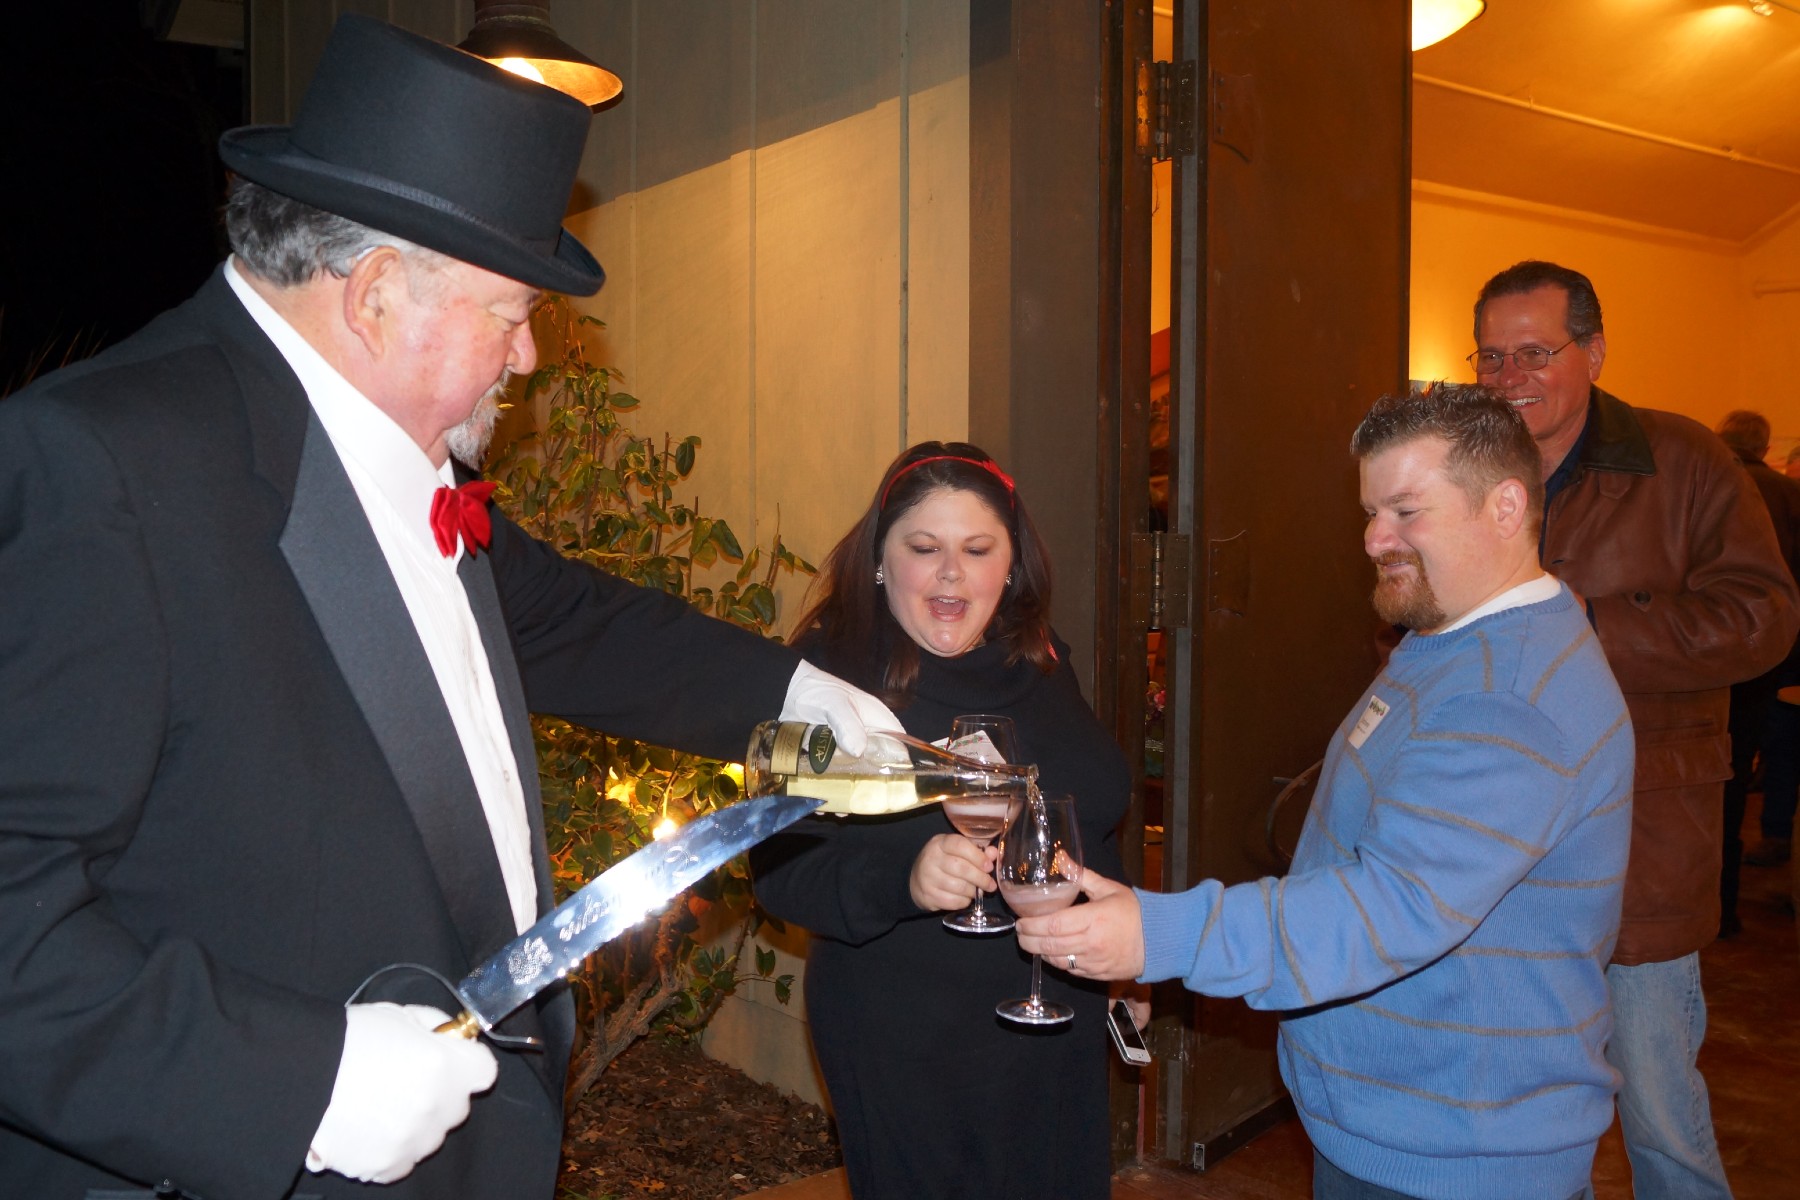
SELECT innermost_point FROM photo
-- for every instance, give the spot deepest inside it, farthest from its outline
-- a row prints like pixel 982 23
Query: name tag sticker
pixel 1365 724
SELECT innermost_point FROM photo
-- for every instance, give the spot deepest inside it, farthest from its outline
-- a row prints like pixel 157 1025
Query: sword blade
pixel 612 902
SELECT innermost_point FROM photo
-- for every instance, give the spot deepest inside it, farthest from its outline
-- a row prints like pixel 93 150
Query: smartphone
pixel 1125 1035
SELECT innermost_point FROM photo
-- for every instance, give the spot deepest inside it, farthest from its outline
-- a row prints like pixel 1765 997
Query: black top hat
pixel 411 137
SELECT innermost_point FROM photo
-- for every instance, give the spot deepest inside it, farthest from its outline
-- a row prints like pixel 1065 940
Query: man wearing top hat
pixel 264 676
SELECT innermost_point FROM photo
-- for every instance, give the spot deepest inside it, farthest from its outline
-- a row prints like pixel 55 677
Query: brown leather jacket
pixel 1663 534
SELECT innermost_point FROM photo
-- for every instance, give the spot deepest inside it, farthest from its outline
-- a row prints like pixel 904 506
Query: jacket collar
pixel 1614 441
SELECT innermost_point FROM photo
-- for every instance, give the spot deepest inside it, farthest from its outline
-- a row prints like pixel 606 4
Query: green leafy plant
pixel 599 493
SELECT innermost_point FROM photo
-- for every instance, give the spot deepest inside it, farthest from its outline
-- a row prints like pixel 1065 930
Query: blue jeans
pixel 1329 1183
pixel 1659 1021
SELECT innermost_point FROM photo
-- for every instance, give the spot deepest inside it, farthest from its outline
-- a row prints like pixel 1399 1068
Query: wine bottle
pixel 894 772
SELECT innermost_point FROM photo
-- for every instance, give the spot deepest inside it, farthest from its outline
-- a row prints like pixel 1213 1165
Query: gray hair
pixel 289 243
pixel 1584 319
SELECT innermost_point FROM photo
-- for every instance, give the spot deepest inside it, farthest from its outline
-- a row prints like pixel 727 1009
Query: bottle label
pixel 784 751
pixel 819 748
pixel 797 744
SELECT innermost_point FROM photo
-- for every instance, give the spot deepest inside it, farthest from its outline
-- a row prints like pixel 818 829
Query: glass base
pixel 1035 1012
pixel 978 920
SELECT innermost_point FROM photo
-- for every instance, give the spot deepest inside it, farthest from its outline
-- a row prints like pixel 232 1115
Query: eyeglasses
pixel 1526 358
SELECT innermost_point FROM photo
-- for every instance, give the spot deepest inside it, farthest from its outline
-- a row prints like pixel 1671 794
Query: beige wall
pixel 781 204
pixel 1771 330
pixel 1684 331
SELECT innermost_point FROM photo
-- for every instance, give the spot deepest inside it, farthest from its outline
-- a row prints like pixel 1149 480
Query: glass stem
pixel 1037 982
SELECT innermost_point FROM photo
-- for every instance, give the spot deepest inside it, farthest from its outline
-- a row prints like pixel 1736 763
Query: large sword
pixel 612 902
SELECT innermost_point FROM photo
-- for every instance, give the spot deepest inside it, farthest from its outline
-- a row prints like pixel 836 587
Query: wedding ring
pixel 1071 962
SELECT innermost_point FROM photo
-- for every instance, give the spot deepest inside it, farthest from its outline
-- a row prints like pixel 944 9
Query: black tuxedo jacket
pixel 230 789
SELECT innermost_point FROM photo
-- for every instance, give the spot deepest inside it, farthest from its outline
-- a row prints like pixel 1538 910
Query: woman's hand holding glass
pixel 948 870
pixel 981 817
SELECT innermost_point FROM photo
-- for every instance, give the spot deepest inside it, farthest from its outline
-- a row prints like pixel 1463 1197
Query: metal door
pixel 1288 318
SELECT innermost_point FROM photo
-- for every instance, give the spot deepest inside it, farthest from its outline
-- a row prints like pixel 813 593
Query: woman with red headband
pixel 938 600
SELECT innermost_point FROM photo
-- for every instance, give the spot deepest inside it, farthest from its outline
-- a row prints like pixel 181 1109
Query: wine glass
pixel 980 816
pixel 1040 872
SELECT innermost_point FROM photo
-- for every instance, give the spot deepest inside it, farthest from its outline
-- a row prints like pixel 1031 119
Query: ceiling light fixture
pixel 1435 20
pixel 520 39
pixel 1763 8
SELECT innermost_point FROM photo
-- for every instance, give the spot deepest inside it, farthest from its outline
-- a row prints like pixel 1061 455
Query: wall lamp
pixel 520 39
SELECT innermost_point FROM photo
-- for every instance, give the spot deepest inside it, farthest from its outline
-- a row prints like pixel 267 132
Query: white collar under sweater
pixel 1532 591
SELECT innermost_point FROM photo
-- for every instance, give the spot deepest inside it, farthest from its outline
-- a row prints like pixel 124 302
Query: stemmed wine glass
pixel 1040 872
pixel 981 816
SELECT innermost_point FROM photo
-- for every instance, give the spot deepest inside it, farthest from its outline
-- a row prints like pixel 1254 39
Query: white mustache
pixel 468 442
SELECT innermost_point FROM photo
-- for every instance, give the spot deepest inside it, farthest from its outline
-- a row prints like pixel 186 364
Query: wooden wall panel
pixel 935 394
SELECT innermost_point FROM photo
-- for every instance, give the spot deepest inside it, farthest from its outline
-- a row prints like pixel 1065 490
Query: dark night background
pixel 108 137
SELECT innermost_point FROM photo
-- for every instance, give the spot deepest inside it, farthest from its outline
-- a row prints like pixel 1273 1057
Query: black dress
pixel 936 1096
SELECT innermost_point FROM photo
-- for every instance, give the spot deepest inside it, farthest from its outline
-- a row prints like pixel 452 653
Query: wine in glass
pixel 980 816
pixel 1040 872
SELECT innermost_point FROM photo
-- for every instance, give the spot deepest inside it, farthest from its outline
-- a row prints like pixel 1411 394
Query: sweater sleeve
pixel 1458 816
pixel 838 877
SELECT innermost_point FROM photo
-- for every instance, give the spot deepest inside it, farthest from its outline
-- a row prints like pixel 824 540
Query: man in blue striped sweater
pixel 1440 945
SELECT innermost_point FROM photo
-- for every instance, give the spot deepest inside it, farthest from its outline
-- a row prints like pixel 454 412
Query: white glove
pixel 820 698
pixel 400 1088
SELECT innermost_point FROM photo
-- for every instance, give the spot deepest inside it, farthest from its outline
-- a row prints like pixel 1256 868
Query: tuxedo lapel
pixel 554 1010
pixel 345 577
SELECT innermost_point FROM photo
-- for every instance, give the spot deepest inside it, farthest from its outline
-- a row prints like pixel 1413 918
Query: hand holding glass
pixel 979 817
pixel 1039 873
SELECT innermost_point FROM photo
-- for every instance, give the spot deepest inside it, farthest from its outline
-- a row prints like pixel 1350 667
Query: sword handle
pixel 463 1024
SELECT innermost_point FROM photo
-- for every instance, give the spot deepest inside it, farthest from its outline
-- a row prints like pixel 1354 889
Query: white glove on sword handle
pixel 400 1089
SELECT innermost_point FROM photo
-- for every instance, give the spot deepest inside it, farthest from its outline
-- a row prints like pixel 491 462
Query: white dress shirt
pixel 394 482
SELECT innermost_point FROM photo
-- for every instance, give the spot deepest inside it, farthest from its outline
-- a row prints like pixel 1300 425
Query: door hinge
pixel 1168 105
pixel 1160 580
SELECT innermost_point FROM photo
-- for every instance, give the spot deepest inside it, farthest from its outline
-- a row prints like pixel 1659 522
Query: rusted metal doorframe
pixel 1122 438
pixel 1172 1033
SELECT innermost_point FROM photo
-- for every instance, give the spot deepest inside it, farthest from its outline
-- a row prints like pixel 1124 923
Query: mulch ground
pixel 665 1121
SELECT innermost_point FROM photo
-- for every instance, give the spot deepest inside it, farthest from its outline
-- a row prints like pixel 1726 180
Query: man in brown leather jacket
pixel 1651 520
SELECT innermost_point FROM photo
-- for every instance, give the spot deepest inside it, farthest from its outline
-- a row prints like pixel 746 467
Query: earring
pixel 878 578
pixel 1009 579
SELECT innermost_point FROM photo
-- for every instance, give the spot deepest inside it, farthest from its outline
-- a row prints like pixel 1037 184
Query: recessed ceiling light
pixel 1763 8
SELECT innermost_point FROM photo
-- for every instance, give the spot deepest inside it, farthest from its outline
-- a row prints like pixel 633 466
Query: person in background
pixel 1652 521
pixel 1791 468
pixel 1759 725
pixel 938 600
pixel 1438 946
pixel 264 676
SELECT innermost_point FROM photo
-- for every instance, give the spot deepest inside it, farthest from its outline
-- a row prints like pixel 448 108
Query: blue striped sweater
pixel 1439 947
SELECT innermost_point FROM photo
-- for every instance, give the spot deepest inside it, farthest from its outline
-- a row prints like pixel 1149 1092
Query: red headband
pixel 990 467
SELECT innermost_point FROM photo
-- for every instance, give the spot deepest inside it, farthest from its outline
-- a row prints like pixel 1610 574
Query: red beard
pixel 1406 599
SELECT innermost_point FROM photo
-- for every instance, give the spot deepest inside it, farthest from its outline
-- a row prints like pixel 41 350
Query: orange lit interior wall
pixel 1769 274
pixel 1681 326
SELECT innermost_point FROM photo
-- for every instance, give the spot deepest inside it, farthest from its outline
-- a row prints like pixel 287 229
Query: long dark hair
pixel 850 621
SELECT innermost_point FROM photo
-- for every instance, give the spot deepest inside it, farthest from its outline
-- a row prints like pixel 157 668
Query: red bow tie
pixel 462 511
